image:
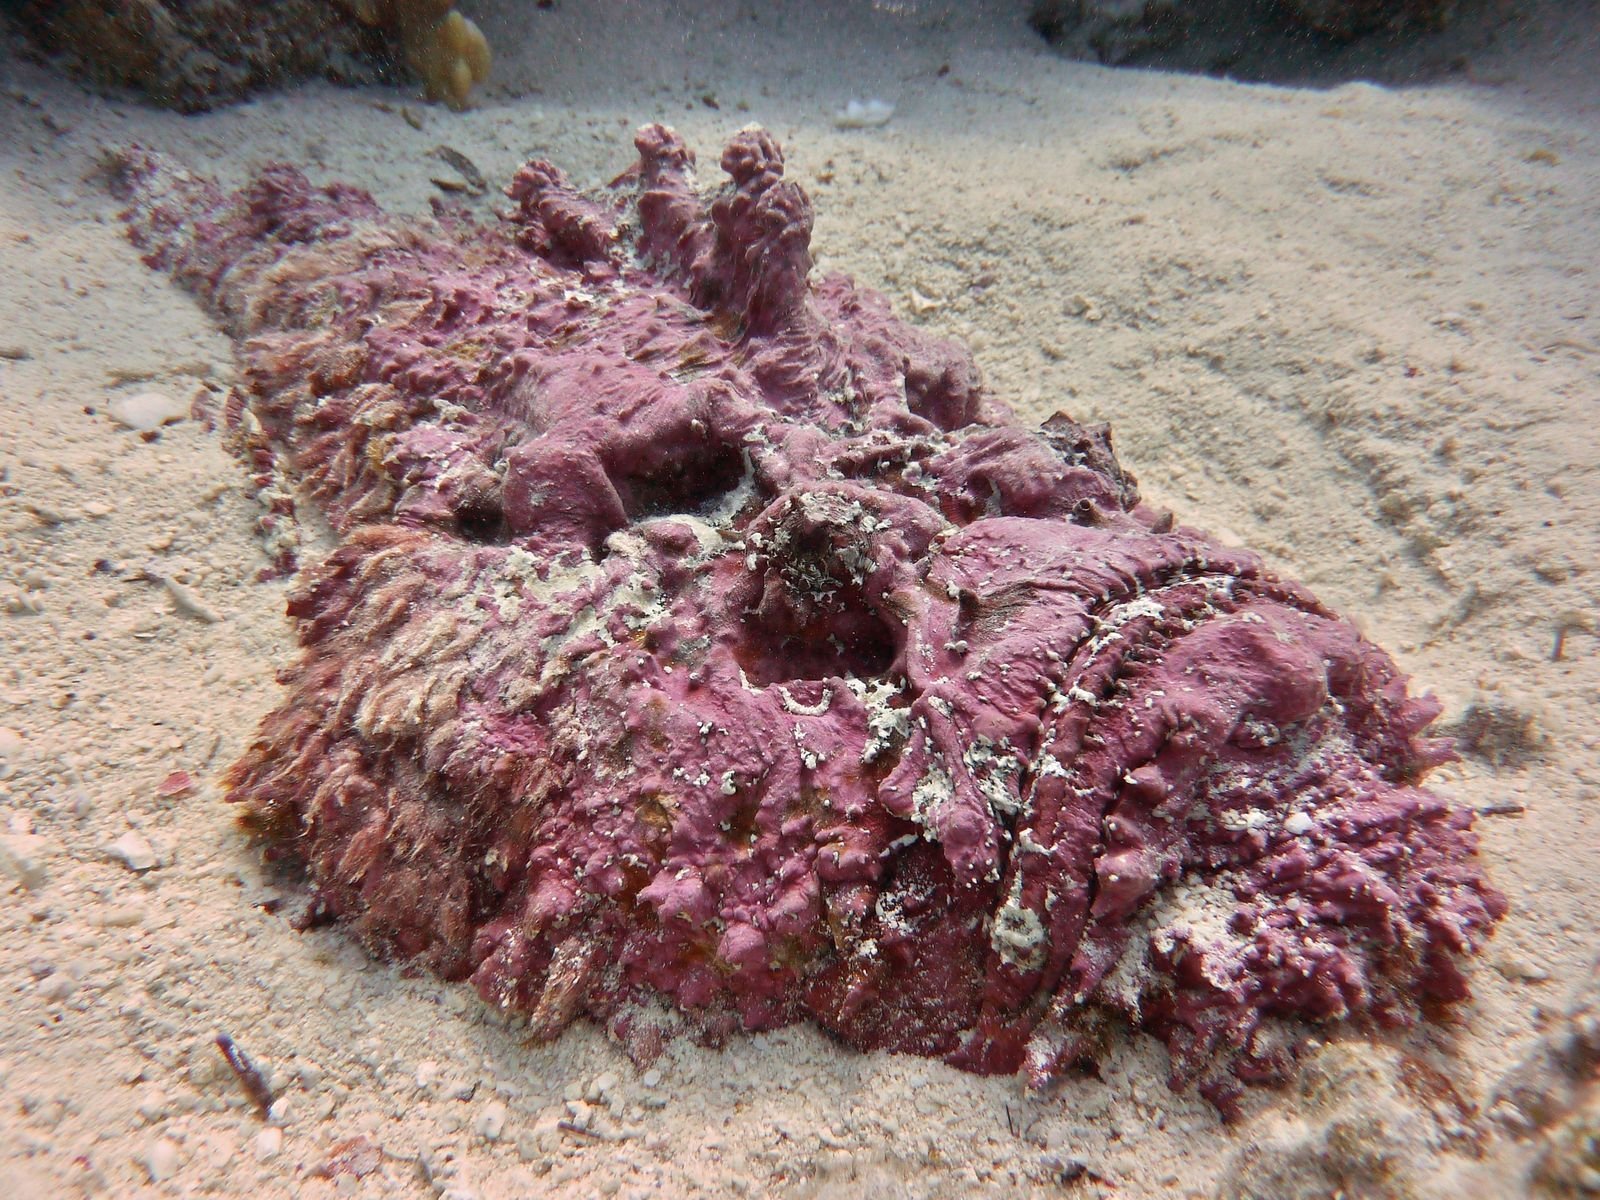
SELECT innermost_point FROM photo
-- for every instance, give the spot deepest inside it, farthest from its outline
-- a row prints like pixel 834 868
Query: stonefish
pixel 704 648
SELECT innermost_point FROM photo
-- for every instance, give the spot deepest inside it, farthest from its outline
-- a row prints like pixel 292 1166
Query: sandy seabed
pixel 1354 328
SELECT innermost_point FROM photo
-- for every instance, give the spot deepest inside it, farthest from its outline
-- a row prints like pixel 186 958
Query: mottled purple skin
pixel 698 630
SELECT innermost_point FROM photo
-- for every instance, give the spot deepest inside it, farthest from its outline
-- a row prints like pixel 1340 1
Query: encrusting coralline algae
pixel 699 631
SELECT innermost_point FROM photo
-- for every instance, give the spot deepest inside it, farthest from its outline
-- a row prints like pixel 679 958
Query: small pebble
pixel 133 850
pixel 161 1160
pixel 122 916
pixel 22 859
pixel 268 1142
pixel 176 783
pixel 189 603
pixel 651 1078
pixel 1517 968
pixel 147 411
pixel 491 1121
pixel 153 1105
pixel 1297 824
pixel 58 987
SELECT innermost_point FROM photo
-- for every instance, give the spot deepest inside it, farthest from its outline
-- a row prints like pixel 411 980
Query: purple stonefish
pixel 699 631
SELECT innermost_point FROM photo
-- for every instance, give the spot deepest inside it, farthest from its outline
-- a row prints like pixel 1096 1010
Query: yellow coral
pixel 447 51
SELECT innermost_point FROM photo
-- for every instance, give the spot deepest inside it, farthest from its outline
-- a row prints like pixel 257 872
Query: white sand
pixel 1357 328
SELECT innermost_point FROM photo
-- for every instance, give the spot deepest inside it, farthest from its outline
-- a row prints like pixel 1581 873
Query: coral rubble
pixel 193 56
pixel 700 631
pixel 448 52
pixel 1262 38
pixel 1349 18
